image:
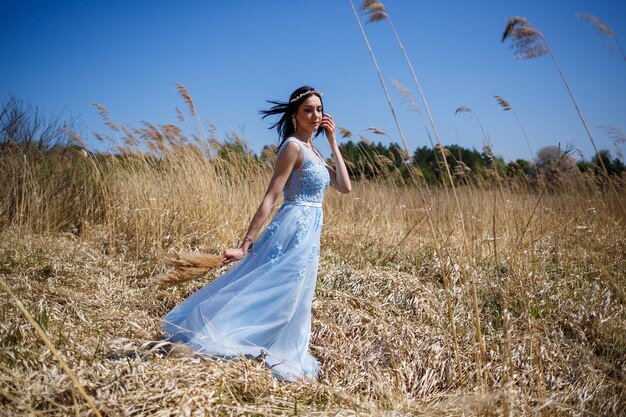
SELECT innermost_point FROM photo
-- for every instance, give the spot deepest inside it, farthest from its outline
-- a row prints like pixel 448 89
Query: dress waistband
pixel 301 203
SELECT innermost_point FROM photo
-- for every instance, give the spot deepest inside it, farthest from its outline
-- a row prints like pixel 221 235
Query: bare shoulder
pixel 289 151
pixel 287 158
pixel 292 146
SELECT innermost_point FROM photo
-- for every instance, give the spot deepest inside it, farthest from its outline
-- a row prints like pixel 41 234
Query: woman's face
pixel 309 114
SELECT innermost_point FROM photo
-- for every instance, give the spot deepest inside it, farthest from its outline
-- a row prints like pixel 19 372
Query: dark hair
pixel 284 126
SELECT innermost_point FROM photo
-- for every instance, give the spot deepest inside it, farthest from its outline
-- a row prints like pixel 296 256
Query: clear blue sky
pixel 234 55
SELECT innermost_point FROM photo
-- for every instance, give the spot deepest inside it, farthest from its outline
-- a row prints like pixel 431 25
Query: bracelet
pixel 251 243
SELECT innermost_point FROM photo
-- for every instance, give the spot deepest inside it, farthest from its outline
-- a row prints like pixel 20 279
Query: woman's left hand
pixel 329 127
pixel 232 255
pixel 339 177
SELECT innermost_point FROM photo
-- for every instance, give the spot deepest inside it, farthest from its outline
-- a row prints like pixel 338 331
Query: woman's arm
pixel 339 178
pixel 284 165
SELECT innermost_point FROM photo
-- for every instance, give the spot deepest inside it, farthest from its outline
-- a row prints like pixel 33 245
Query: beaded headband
pixel 298 97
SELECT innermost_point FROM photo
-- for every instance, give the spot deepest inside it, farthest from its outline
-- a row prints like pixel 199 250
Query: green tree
pixel 613 166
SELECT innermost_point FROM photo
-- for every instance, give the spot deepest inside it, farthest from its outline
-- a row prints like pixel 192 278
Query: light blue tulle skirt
pixel 261 307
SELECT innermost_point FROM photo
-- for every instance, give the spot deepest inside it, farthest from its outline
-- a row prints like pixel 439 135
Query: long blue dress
pixel 261 307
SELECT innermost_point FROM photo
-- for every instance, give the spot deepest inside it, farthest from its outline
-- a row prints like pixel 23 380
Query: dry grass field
pixel 513 305
pixel 487 296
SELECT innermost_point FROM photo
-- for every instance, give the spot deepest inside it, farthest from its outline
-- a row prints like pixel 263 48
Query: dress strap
pixel 319 155
pixel 303 148
pixel 289 139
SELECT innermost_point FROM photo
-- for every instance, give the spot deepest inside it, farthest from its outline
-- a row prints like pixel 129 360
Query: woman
pixel 261 307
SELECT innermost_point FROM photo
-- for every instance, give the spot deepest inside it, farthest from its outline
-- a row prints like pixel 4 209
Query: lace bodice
pixel 308 183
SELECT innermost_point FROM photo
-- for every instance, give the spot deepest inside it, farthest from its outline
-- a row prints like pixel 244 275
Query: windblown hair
pixel 284 126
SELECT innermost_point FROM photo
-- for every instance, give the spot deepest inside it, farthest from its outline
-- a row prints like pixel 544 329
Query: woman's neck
pixel 306 137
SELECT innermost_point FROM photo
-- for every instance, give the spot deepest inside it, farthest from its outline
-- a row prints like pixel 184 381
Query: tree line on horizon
pixel 369 160
pixel 26 127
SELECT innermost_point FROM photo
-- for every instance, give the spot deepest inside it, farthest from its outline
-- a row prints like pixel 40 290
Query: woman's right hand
pixel 232 255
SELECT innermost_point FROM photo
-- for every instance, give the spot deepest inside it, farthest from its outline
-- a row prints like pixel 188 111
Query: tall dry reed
pixel 528 42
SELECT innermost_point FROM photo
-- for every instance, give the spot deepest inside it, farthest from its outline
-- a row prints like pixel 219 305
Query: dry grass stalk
pixel 188 266
pixel 376 8
pixel 42 334
pixel 377 13
pixel 380 78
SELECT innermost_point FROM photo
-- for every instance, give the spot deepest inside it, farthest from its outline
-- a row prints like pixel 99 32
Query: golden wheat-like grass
pixel 394 314
pixel 188 266
pixel 380 329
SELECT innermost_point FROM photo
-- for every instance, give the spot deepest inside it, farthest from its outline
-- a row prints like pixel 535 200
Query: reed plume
pixel 376 131
pixel 188 266
pixel 506 106
pixel 503 103
pixel 412 104
pixel 104 113
pixel 602 28
pixel 344 132
pixel 375 9
pixel 179 114
pixel 617 136
pixel 525 39
pixel 410 100
pixel 184 93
